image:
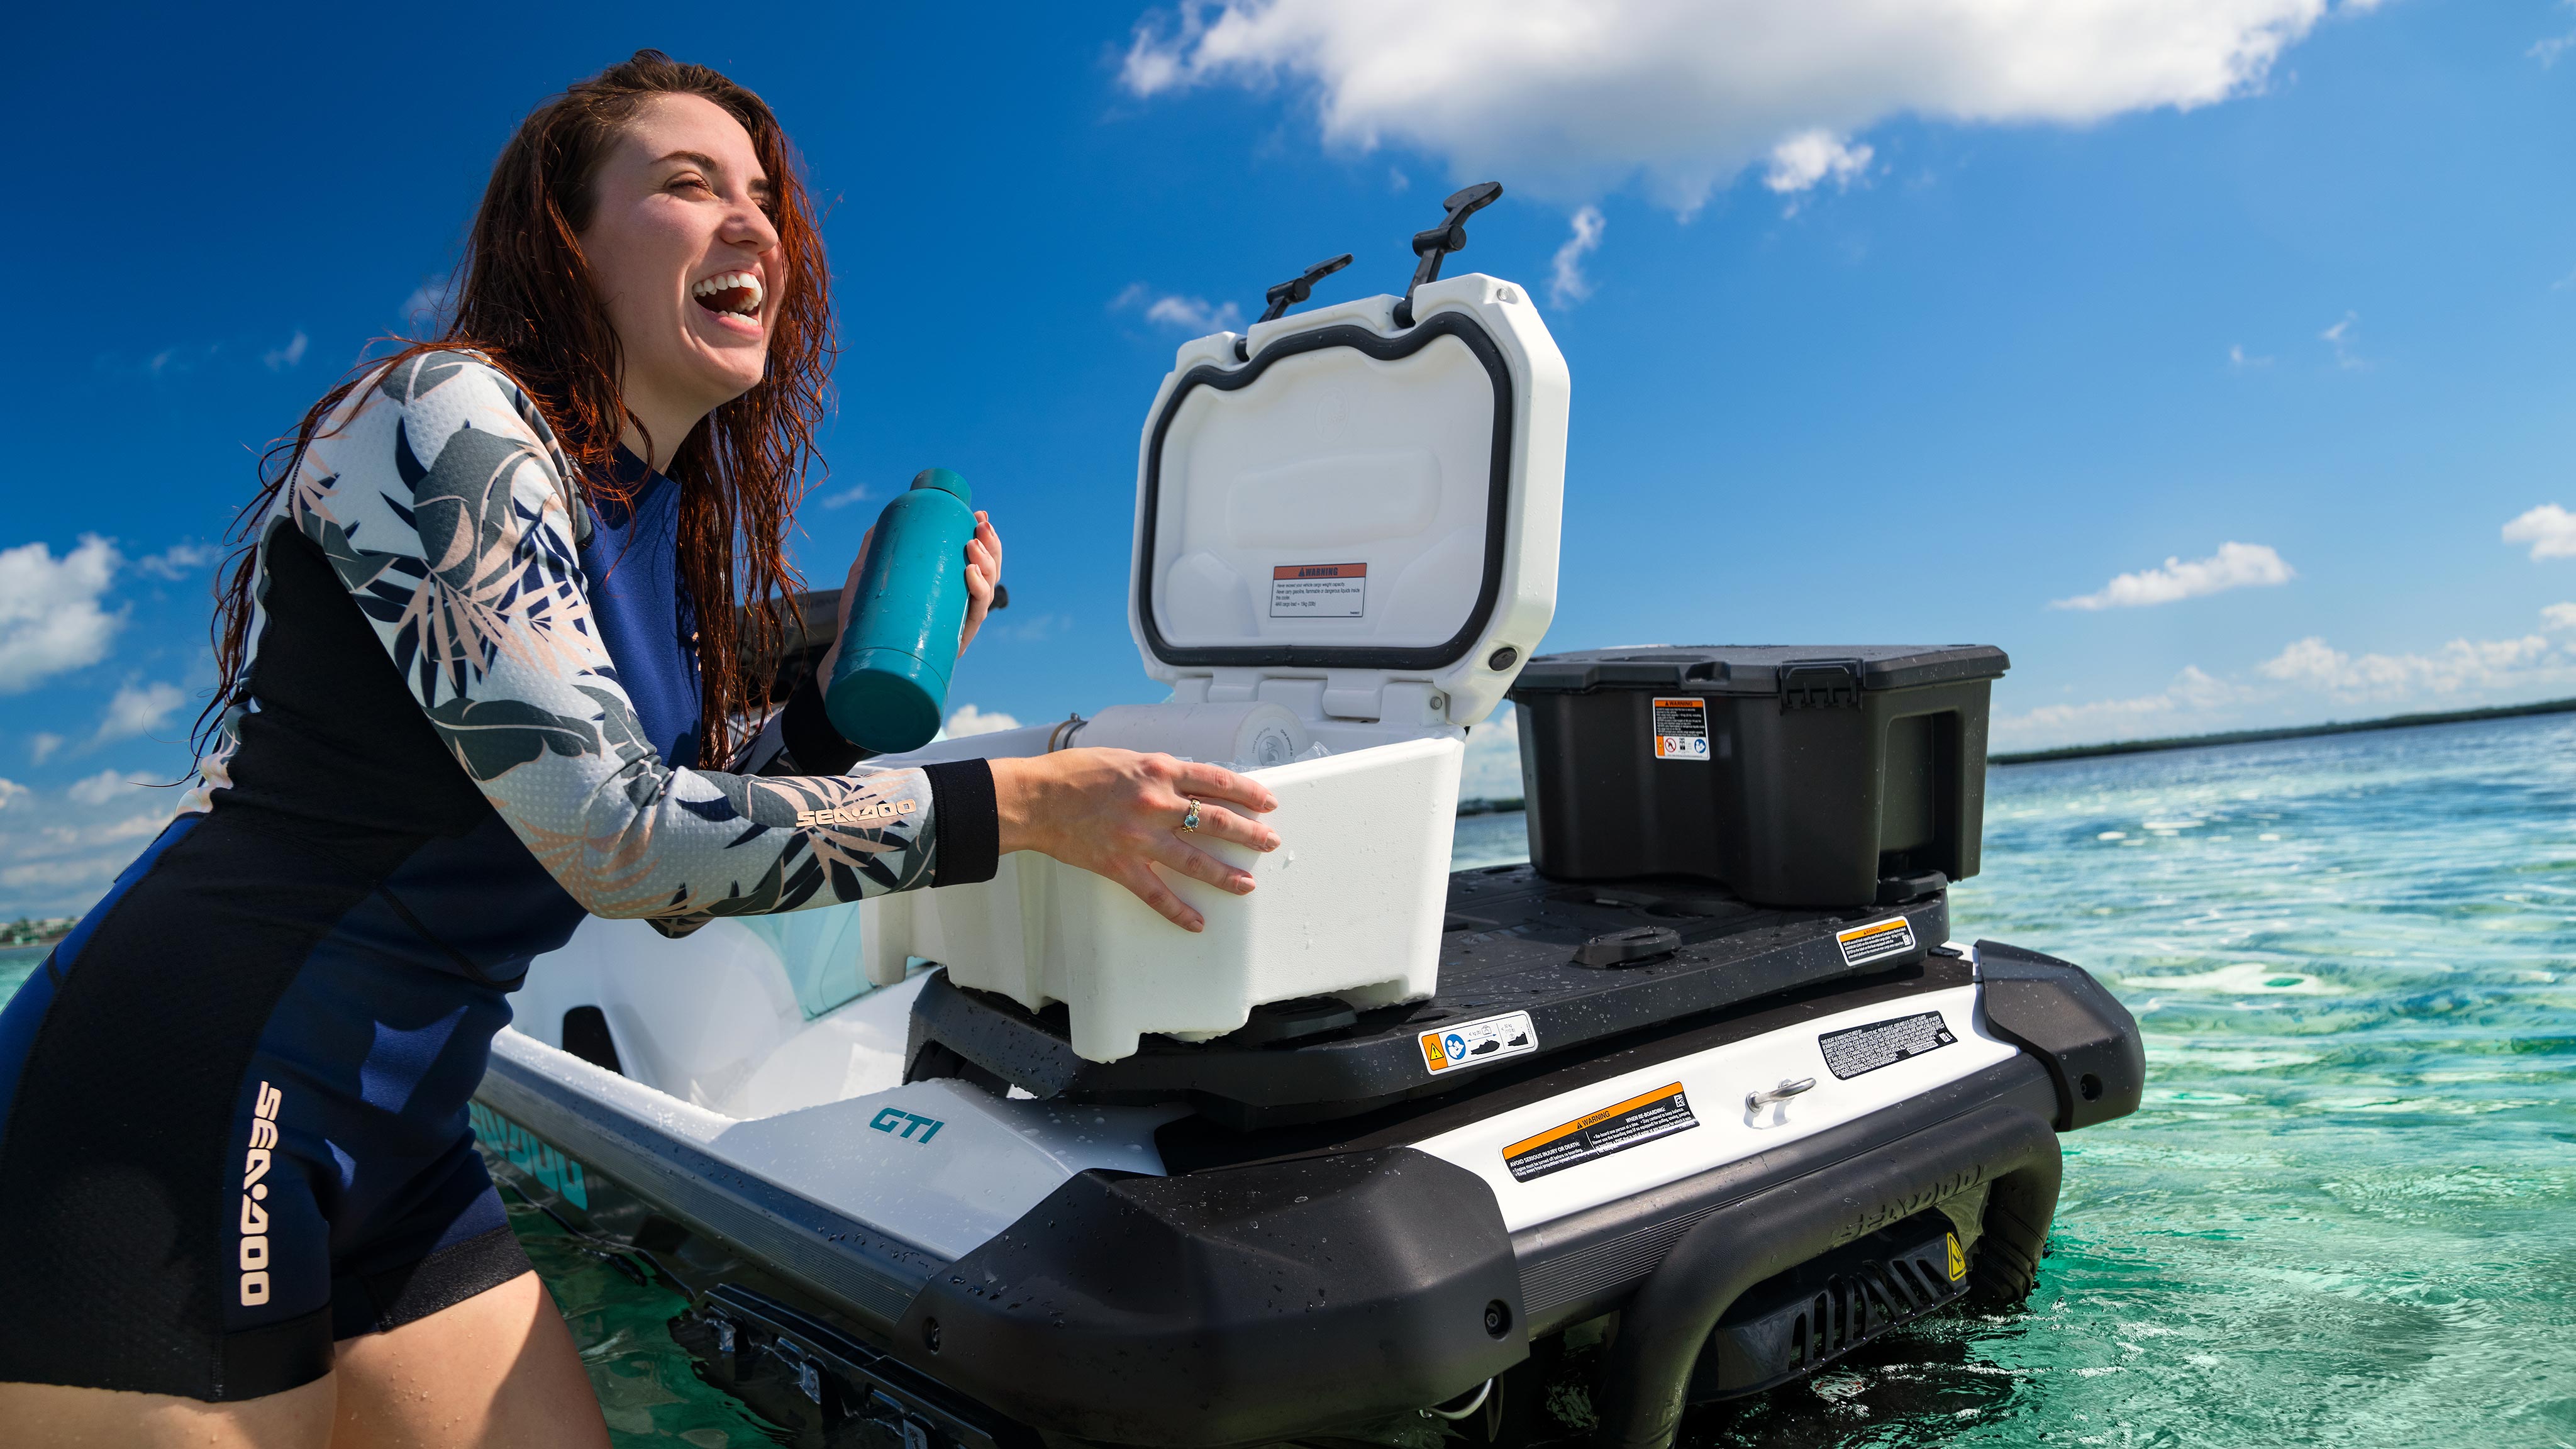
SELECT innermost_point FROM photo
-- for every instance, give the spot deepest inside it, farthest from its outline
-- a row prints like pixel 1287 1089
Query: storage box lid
pixel 1334 496
pixel 1759 668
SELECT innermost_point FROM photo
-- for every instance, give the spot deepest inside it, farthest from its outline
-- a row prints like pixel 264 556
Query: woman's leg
pixel 498 1369
pixel 48 1416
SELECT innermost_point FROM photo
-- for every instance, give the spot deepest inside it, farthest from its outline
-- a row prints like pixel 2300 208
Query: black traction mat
pixel 1514 992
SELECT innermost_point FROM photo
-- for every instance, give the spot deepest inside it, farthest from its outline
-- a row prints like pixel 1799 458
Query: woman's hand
pixel 983 571
pixel 1118 813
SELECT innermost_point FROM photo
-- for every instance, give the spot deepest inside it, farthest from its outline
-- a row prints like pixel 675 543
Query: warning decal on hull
pixel 1473 1043
pixel 1858 1050
pixel 1863 944
pixel 1616 1128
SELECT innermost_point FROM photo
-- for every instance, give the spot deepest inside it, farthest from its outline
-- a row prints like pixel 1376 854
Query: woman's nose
pixel 752 227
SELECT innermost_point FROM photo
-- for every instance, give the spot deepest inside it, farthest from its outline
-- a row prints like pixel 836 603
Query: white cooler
pixel 1347 540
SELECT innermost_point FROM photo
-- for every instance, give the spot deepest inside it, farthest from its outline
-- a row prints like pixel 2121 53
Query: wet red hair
pixel 523 297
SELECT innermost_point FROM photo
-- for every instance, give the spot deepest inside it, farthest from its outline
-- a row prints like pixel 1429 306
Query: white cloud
pixel 1811 157
pixel 2309 680
pixel 139 710
pixel 1572 98
pixel 1493 767
pixel 41 746
pixel 426 308
pixel 1195 316
pixel 278 359
pixel 104 786
pixel 2234 566
pixel 59 849
pixel 2345 342
pixel 2549 529
pixel 11 792
pixel 2548 49
pixel 1567 284
pixel 966 720
pixel 50 619
pixel 179 560
pixel 857 493
pixel 2236 357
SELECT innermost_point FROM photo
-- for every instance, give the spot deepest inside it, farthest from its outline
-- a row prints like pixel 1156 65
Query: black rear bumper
pixel 1289 1298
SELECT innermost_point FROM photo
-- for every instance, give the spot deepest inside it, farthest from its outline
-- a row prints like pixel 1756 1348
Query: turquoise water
pixel 2346 1213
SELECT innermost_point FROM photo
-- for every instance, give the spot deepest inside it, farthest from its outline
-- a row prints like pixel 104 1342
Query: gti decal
pixel 894 1119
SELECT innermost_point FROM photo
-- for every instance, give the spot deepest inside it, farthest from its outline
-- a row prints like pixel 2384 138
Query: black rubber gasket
pixel 1384 349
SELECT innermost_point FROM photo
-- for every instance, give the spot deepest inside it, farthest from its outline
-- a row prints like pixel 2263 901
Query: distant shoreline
pixel 2294 732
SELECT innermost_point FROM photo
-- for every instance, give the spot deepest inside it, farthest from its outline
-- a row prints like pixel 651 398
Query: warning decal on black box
pixel 1470 1043
pixel 1857 1050
pixel 1681 729
pixel 1318 591
pixel 1863 944
pixel 1616 1128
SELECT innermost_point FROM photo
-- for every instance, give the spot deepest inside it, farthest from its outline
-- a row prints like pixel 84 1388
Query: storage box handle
pixel 1819 684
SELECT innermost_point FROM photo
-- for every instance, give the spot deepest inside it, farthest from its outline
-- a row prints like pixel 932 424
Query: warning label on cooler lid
pixel 1858 1050
pixel 1475 1042
pixel 1681 729
pixel 1318 591
pixel 1615 1128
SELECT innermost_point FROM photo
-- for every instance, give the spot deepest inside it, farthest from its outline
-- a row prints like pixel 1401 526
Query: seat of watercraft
pixel 766 1015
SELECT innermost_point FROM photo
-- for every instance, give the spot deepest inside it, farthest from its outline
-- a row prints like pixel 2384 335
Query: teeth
pixel 732 281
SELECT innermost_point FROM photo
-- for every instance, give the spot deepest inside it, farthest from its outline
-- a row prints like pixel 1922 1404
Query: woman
pixel 465 701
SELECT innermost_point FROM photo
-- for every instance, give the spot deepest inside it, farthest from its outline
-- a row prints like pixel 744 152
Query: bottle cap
pixel 945 481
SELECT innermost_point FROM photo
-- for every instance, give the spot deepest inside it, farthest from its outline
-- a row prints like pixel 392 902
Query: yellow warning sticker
pixel 1876 941
pixel 1958 1259
pixel 1615 1128
pixel 1681 730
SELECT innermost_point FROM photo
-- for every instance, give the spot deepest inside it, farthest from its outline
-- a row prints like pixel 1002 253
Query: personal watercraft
pixel 1016 1163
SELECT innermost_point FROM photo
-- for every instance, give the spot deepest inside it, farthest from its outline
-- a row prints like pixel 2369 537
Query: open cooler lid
pixel 1337 497
pixel 1759 668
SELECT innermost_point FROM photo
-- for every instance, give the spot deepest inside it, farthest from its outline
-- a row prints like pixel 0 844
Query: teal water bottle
pixel 890 684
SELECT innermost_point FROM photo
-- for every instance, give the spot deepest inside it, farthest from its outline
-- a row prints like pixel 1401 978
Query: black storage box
pixel 1821 776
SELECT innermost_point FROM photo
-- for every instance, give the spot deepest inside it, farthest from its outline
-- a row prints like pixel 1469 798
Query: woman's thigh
pixel 498 1369
pixel 50 1416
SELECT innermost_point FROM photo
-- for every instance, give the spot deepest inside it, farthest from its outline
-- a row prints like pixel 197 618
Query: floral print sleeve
pixel 440 498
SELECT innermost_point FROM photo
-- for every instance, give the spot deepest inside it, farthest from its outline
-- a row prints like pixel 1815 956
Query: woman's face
pixel 686 260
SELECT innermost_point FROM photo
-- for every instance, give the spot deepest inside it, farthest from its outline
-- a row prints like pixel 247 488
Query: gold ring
pixel 1190 821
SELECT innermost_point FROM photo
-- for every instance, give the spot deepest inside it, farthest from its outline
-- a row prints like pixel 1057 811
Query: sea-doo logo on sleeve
pixel 874 813
pixel 254 1218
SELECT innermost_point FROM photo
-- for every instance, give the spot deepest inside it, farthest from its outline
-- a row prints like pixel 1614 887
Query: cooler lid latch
pixel 1819 684
pixel 1450 235
pixel 1298 288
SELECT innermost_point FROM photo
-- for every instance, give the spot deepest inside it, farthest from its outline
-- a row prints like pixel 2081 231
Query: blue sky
pixel 1877 334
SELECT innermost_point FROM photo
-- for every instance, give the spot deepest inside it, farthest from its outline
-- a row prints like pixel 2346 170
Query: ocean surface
pixel 2345 1214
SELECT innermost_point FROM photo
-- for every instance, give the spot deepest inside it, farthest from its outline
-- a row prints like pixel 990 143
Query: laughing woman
pixel 480 677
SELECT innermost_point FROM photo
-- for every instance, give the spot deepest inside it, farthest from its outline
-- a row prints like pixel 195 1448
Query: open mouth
pixel 733 294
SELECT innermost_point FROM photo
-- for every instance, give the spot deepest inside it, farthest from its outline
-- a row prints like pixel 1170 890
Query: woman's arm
pixel 441 500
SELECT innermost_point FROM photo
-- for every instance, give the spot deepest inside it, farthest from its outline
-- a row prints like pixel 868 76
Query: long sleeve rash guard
pixel 437 500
